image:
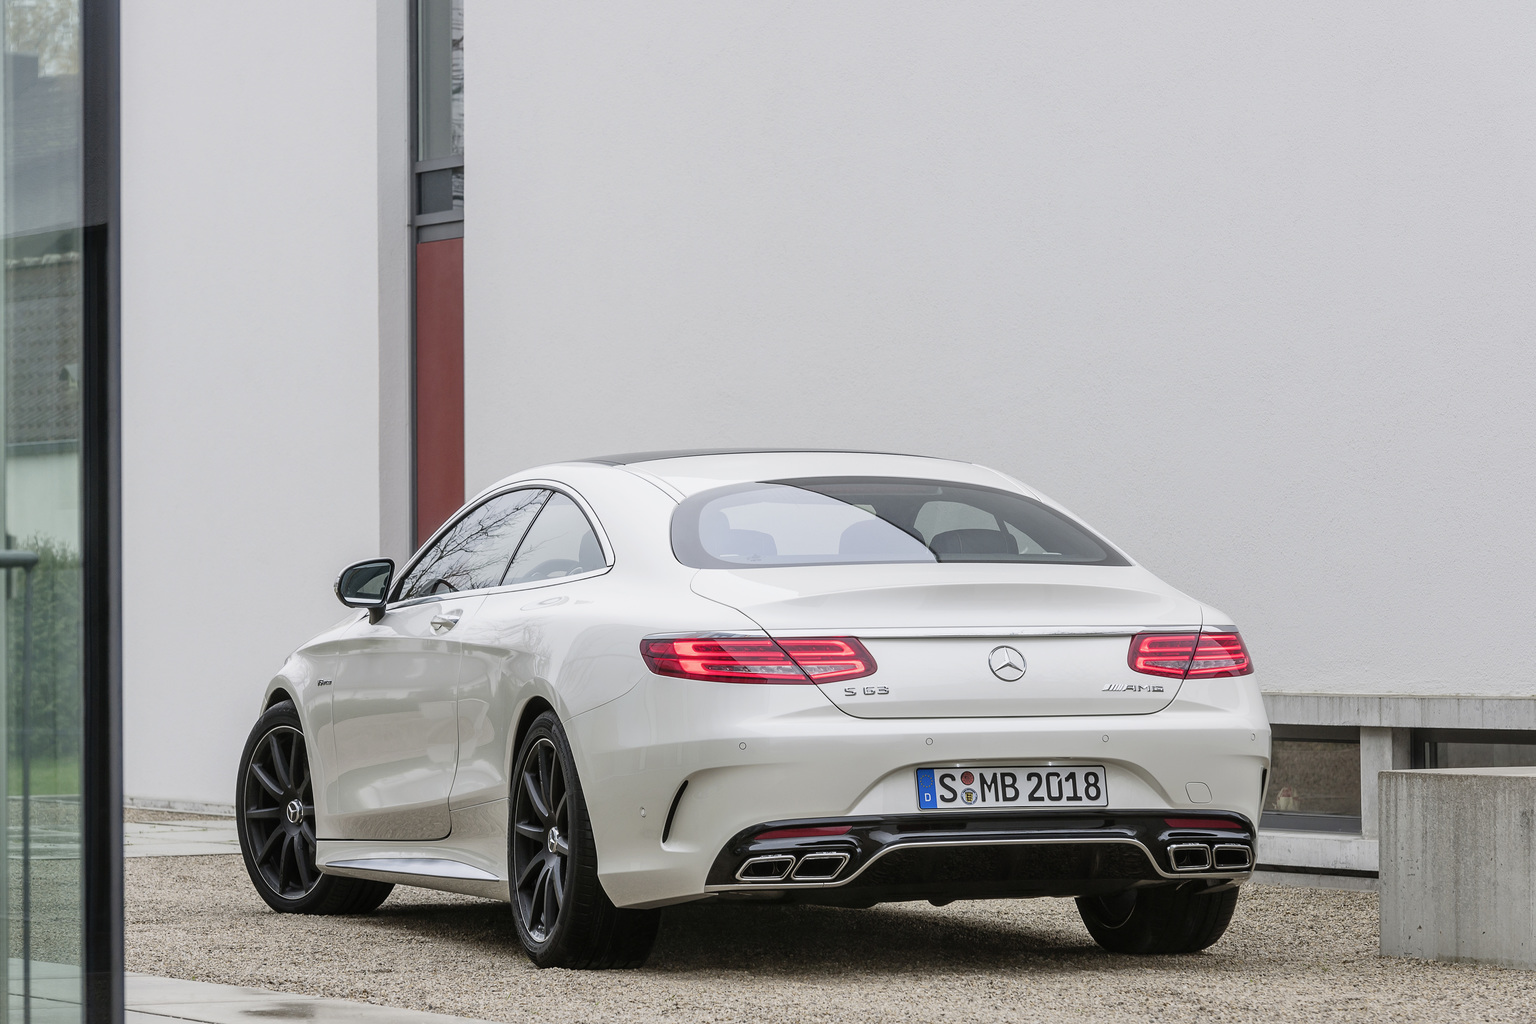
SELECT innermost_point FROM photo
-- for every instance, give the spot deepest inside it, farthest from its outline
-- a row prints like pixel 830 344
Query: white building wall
pixel 253 235
pixel 1247 286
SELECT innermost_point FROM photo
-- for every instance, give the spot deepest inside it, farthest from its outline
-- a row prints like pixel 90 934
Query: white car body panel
pixel 412 763
pixel 805 760
pixel 931 639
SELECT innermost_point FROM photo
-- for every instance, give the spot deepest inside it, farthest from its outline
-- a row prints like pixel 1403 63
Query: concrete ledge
pixel 1322 852
pixel 1401 710
pixel 1458 865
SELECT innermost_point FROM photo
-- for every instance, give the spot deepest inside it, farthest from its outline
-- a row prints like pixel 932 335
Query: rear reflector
pixel 1202 823
pixel 804 833
pixel 1190 655
pixel 758 659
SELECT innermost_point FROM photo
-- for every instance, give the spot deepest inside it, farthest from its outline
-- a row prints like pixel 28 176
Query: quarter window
pixel 475 551
pixel 560 543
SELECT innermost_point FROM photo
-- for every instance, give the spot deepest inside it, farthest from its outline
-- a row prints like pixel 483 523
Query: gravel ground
pixel 1290 955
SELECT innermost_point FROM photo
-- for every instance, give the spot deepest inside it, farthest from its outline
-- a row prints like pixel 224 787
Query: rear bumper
pixel 949 857
pixel 676 771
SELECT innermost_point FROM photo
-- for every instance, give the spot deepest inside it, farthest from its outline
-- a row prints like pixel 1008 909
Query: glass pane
pixel 773 524
pixel 440 191
pixel 1480 755
pixel 1314 777
pixel 475 551
pixel 40 332
pixel 440 78
pixel 851 520
pixel 561 543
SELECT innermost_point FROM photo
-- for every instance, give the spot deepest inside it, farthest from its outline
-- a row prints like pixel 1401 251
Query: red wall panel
pixel 439 383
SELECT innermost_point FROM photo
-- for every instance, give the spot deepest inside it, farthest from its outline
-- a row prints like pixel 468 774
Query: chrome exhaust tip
pixel 819 867
pixel 771 867
pixel 1190 856
pixel 1232 857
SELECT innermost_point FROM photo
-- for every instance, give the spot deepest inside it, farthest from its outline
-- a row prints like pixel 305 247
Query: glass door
pixel 41 309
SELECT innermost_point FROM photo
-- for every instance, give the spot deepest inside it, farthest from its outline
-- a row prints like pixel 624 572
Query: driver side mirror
pixel 366 585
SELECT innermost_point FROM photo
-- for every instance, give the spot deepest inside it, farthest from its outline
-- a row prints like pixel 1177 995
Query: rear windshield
pixel 853 520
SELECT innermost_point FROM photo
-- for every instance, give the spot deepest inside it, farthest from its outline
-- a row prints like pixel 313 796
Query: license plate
pixel 945 789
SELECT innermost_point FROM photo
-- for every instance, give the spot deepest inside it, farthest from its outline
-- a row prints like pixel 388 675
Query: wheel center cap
pixel 295 811
pixel 553 840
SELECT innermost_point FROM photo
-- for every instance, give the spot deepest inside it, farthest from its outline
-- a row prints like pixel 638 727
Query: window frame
pixel 1312 821
pixel 522 485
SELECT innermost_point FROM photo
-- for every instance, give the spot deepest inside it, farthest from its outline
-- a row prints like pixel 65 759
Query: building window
pixel 1314 779
pixel 439 118
pixel 1473 748
pixel 438 367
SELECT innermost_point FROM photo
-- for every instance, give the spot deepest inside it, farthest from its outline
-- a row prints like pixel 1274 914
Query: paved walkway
pixel 51 840
pixel 158 1000
pixel 151 1000
pixel 179 838
pixel 56 1000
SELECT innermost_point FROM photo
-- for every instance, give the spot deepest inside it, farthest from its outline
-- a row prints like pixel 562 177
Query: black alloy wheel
pixel 563 916
pixel 541 846
pixel 275 811
pixel 279 813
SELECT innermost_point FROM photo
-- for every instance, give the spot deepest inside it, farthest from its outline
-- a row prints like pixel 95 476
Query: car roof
pixel 630 458
pixel 690 471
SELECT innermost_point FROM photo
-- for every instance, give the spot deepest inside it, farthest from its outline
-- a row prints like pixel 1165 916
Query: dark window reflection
pixel 440 78
pixel 1314 780
pixel 40 333
pixel 474 552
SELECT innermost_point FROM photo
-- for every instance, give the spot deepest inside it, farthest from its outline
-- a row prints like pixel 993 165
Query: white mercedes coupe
pixel 611 685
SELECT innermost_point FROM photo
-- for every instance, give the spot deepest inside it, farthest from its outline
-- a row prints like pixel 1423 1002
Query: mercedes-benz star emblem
pixel 295 811
pixel 1006 663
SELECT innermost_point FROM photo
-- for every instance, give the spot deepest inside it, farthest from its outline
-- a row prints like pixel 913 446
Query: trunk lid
pixel 936 630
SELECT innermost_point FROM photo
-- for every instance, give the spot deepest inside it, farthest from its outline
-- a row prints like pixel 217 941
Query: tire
pixel 275 818
pixel 1180 918
pixel 563 917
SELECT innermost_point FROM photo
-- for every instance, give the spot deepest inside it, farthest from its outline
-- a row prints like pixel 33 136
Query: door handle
pixel 446 621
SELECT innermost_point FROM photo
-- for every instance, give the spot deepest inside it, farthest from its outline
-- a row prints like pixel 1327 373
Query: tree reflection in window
pixel 475 551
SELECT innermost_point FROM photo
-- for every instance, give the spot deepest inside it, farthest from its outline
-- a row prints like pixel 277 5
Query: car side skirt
pixel 471 861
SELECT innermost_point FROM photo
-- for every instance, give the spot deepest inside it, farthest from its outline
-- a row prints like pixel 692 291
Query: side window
pixel 560 543
pixel 474 552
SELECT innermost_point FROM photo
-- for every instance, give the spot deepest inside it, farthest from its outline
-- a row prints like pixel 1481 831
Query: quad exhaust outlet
pixel 816 866
pixel 1207 857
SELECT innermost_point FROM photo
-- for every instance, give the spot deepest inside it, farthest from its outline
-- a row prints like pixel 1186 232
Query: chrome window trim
pixel 520 485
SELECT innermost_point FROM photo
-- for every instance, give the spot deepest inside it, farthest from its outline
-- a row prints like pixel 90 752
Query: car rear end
pixel 935 706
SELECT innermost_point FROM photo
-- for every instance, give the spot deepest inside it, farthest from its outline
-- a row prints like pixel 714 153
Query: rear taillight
pixel 1190 655
pixel 759 659
pixel 1219 654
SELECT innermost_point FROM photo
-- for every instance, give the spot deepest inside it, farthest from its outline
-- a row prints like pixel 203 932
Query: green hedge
pixel 56 654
